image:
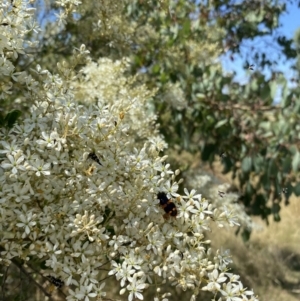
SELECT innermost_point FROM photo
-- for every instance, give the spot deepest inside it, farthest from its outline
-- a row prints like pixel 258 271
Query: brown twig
pixel 3 283
pixel 23 270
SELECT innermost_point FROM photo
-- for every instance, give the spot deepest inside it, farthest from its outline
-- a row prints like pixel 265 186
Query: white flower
pixel 61 17
pixel 19 193
pixel 190 196
pixel 185 210
pixel 171 189
pixel 99 292
pixel 122 272
pixel 9 148
pixel 83 293
pixel 49 140
pixel 40 167
pixel 27 222
pixel 214 281
pixel 202 208
pixel 135 288
pixel 15 163
pixel 88 225
pixel 157 144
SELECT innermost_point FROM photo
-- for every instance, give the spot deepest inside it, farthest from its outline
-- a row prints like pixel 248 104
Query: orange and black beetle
pixel 167 204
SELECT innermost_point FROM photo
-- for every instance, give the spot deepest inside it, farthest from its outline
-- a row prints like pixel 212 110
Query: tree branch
pixel 23 270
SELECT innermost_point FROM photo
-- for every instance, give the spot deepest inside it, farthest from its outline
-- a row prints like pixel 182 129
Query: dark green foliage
pixel 10 119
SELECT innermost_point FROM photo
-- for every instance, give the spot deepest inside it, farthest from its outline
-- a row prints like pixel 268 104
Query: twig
pixel 107 277
pixel 22 269
pixel 3 283
pixel 46 278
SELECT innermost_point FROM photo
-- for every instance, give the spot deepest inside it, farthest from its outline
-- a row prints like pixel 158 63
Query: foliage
pixel 214 114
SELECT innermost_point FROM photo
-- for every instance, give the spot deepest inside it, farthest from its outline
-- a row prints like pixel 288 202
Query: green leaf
pixel 274 88
pixel 258 163
pixel 227 165
pixel 208 151
pixel 275 210
pixel 220 123
pixel 296 161
pixel 247 164
pixel 254 85
pixel 297 189
pixel 156 68
pixel 12 117
pixel 277 217
pixel 272 168
pixel 259 204
pixel 286 165
pixel 249 189
pixel 2 122
pixel 200 96
pixel 293 149
pixel 186 29
pixel 246 235
pixel 265 181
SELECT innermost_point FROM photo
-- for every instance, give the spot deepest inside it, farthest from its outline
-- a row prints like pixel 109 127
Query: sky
pixel 290 22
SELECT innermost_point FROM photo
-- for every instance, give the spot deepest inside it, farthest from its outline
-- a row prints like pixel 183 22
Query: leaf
pixel 296 161
pixel 2 122
pixel 200 96
pixel 258 162
pixel 286 165
pixel 274 88
pixel 275 210
pixel 221 122
pixel 277 217
pixel 227 165
pixel 247 164
pixel 208 150
pixel 186 29
pixel 249 189
pixel 246 235
pixel 251 17
pixel 12 117
pixel 272 168
pixel 297 189
pixel 259 204
pixel 293 149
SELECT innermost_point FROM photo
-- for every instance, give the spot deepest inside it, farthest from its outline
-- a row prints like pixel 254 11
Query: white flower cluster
pixel 70 7
pixel 225 203
pixel 105 80
pixel 16 20
pixel 78 190
pixel 174 96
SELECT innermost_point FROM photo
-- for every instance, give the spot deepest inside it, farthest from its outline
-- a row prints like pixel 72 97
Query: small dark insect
pixel 167 204
pixel 94 157
pixel 221 193
pixel 127 243
pixel 284 190
pixel 56 281
pixel 251 67
pixel 223 155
